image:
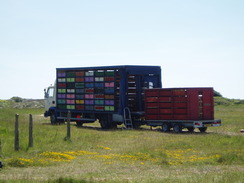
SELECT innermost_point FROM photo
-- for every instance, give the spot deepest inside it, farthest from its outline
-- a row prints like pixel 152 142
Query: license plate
pixel 207 125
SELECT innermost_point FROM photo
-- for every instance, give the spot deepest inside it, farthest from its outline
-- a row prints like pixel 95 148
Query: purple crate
pixel 61 95
pixel 61 74
pixel 109 102
pixel 89 79
pixel 89 102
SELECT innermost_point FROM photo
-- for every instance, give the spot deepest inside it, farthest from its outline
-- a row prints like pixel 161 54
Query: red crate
pixel 165 93
pixel 152 111
pixel 165 117
pixel 152 93
pixel 151 99
pixel 166 105
pixel 80 107
pixel 179 92
pixel 151 117
pixel 180 111
pixel 151 105
pixel 180 105
pixel 165 111
pixel 165 99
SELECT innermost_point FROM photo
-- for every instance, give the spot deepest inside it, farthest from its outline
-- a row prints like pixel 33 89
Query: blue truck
pixel 113 95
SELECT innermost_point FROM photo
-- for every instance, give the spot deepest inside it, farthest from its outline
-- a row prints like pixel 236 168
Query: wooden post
pixel 30 131
pixel 16 132
pixel 68 125
pixel 0 147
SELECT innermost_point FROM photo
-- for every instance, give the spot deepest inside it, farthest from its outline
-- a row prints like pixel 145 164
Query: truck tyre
pixel 53 118
pixel 190 129
pixel 203 129
pixel 79 124
pixel 106 122
pixel 177 128
pixel 165 127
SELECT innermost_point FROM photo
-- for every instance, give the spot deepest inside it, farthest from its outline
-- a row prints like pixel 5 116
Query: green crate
pixel 70 74
pixel 61 90
pixel 70 79
pixel 71 107
pixel 109 73
pixel 61 101
pixel 61 106
pixel 109 108
pixel 99 102
pixel 79 85
pixel 99 73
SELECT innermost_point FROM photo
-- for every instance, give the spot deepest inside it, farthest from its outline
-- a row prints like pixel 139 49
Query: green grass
pixel 94 155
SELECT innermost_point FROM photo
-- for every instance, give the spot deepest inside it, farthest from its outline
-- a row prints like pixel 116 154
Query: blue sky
pixel 197 43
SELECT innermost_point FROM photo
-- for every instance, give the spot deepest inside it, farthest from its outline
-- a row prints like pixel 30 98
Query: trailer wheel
pixel 203 129
pixel 190 129
pixel 177 128
pixel 165 127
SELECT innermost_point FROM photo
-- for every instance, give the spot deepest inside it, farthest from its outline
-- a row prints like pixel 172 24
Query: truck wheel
pixel 79 123
pixel 203 129
pixel 53 118
pixel 165 127
pixel 190 129
pixel 106 122
pixel 177 128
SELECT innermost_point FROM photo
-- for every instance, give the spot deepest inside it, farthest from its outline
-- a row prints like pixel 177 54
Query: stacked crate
pixel 86 90
pixel 179 104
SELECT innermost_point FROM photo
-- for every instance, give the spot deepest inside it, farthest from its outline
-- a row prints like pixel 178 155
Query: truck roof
pixel 126 67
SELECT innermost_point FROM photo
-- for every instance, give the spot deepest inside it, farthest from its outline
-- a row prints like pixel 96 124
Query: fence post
pixel 68 125
pixel 16 132
pixel 30 131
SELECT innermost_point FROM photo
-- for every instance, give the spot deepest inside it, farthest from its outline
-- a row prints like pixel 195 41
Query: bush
pixel 17 99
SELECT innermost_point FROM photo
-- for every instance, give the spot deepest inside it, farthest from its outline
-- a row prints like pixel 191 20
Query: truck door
pixel 136 86
pixel 50 98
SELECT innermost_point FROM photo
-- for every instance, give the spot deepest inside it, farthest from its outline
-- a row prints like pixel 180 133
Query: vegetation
pixel 144 155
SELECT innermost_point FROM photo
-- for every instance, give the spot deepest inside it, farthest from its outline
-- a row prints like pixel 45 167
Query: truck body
pixel 100 93
pixel 180 108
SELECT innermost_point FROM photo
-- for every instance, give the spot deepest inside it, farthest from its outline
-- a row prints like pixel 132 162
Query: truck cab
pixel 50 100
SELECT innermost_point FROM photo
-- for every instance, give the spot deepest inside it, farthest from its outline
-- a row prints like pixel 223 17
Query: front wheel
pixel 53 118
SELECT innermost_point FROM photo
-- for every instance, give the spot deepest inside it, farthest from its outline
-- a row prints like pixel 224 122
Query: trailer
pixel 111 94
pixel 180 108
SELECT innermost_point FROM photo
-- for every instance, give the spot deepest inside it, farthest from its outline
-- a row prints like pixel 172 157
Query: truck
pixel 102 93
pixel 127 94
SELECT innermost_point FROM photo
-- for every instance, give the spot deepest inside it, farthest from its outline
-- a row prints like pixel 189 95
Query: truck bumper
pixel 46 114
pixel 208 123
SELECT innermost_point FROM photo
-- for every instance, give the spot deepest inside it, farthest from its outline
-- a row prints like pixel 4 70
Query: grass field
pixel 144 155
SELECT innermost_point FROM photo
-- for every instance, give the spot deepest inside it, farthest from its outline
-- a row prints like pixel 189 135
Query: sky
pixel 197 43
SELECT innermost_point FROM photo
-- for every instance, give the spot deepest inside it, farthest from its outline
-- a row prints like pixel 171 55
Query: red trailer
pixel 180 108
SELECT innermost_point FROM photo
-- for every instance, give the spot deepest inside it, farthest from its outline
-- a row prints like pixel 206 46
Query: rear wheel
pixel 177 128
pixel 106 122
pixel 165 127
